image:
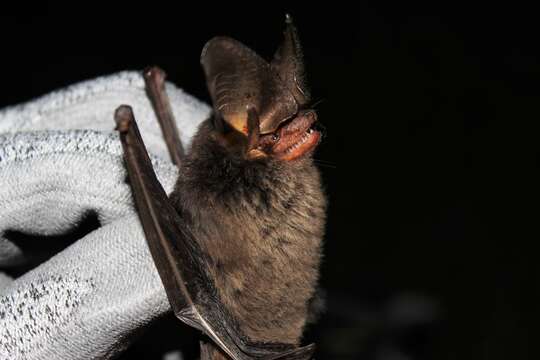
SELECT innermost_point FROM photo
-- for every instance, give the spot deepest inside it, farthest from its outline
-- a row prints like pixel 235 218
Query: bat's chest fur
pixel 261 226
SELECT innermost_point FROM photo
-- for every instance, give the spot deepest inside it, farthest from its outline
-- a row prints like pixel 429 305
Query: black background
pixel 430 158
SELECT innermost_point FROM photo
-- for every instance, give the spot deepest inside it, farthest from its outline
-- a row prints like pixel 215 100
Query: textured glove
pixel 60 160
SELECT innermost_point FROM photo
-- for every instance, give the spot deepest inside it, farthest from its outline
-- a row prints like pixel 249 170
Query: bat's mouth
pixel 294 138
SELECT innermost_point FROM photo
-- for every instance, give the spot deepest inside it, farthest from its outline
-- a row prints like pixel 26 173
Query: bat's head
pixel 264 105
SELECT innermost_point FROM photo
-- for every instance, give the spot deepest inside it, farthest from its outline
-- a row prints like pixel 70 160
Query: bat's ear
pixel 237 79
pixel 288 63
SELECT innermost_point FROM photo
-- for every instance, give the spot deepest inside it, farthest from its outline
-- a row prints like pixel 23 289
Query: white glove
pixel 59 160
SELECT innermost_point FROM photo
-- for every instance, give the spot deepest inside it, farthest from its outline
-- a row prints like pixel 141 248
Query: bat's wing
pixel 154 79
pixel 178 257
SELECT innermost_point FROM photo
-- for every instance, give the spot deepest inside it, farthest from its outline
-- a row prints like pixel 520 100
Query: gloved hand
pixel 60 160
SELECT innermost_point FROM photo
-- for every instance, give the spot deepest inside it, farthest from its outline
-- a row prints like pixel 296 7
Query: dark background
pixel 430 158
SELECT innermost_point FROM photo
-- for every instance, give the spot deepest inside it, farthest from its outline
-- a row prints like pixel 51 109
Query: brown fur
pixel 260 222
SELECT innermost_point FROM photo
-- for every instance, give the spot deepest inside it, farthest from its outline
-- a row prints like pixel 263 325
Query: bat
pixel 237 244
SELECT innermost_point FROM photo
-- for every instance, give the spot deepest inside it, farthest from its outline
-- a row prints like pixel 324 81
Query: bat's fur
pixel 260 223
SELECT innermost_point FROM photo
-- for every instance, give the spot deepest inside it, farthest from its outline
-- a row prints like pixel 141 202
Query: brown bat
pixel 238 242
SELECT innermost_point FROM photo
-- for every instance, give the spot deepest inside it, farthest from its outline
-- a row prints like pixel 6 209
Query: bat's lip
pixel 297 137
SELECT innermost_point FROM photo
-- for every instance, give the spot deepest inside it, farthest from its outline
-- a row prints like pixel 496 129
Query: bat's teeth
pixel 301 141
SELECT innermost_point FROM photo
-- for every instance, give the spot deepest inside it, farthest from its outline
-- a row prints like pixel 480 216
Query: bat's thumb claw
pixel 123 117
pixel 288 18
pixel 154 73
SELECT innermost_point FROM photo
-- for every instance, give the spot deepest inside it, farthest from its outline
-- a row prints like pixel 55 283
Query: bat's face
pixel 263 102
pixel 293 139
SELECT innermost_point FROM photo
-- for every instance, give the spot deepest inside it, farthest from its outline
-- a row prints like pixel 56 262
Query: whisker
pixel 325 163
pixel 316 103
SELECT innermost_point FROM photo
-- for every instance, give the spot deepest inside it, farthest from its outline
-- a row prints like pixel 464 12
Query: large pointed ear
pixel 288 63
pixel 239 79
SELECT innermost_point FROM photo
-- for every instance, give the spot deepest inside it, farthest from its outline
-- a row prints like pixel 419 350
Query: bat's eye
pixel 275 137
